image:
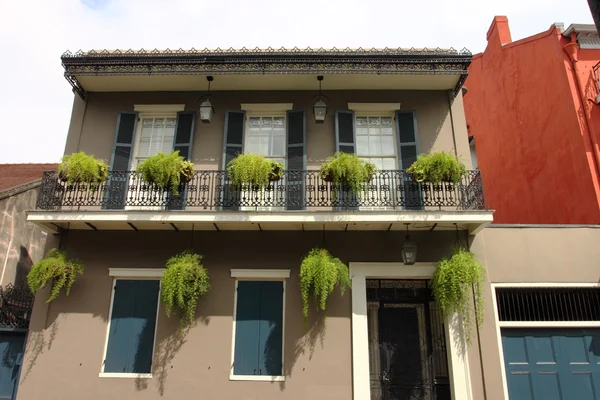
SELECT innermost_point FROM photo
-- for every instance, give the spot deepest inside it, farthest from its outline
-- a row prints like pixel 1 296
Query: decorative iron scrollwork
pixel 16 303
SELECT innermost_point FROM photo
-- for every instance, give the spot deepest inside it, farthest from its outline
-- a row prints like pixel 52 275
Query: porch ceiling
pixel 473 221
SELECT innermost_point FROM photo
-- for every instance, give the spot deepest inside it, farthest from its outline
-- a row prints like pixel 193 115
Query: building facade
pixel 533 110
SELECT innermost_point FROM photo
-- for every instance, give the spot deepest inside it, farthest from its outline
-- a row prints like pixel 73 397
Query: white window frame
pixel 130 274
pixel 456 348
pixel 533 324
pixel 259 275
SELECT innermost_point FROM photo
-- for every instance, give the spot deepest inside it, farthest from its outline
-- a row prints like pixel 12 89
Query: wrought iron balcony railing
pixel 298 190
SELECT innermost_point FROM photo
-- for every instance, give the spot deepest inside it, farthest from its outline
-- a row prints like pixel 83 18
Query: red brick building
pixel 532 110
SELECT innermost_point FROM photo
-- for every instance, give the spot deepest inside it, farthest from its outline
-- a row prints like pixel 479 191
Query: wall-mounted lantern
pixel 320 107
pixel 409 250
pixel 206 107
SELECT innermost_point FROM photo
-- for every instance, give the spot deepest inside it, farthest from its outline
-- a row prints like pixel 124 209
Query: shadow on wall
pixel 23 266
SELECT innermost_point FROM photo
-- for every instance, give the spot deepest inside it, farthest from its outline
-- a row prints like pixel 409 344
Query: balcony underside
pixel 137 220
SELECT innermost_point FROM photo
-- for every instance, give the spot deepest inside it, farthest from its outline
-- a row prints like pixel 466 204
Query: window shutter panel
pixel 408 149
pixel 246 351
pixel 271 328
pixel 233 145
pixel 296 160
pixel 345 135
pixel 144 324
pixel 345 141
pixel 117 358
pixel 121 160
pixel 183 141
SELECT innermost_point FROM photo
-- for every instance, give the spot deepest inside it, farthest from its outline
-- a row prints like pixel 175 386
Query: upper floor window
pixel 266 136
pixel 156 135
pixel 375 141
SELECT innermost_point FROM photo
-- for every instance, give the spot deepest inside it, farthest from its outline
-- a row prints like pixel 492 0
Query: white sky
pixel 35 99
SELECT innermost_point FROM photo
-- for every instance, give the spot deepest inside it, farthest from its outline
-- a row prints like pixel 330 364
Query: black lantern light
pixel 409 250
pixel 206 107
pixel 320 108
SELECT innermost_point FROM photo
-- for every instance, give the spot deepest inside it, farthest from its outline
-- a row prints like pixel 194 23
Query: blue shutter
pixel 271 328
pixel 246 356
pixel 132 326
pixel 232 146
pixel 118 183
pixel 183 141
pixel 144 324
pixel 121 326
pixel 296 160
pixel 345 134
pixel 408 149
pixel 11 349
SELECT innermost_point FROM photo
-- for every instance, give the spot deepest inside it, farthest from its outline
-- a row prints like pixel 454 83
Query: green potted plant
pixel 320 273
pixel 253 169
pixel 457 282
pixel 167 171
pixel 348 170
pixel 437 167
pixel 185 280
pixel 82 168
pixel 55 267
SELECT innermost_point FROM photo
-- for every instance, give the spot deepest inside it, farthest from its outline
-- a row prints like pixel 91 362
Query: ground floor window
pixel 130 343
pixel 407 346
pixel 258 329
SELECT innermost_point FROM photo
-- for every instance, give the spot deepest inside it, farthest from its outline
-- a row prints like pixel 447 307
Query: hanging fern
pixel 167 171
pixel 347 169
pixel 319 274
pixel 82 168
pixel 183 283
pixel 455 281
pixel 55 267
pixel 253 169
pixel 437 167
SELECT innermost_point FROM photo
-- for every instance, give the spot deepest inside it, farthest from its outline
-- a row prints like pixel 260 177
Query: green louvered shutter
pixel 183 141
pixel 233 145
pixel 270 338
pixel 408 150
pixel 247 325
pixel 132 327
pixel 117 186
pixel 296 160
pixel 345 141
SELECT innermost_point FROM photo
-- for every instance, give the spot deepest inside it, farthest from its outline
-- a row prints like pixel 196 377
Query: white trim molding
pixel 260 273
pixel 258 378
pixel 124 375
pixel 136 272
pixel 374 107
pixel 457 357
pixel 267 107
pixel 158 108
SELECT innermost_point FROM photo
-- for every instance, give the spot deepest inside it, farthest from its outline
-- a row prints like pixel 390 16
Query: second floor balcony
pixel 303 198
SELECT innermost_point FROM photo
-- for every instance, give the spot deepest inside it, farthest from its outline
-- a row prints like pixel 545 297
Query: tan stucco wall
pixel 532 255
pixel 93 122
pixel 65 348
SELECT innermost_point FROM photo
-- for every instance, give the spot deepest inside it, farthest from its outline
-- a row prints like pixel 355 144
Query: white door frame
pixel 458 364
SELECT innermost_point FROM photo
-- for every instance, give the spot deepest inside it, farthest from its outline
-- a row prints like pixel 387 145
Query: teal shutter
pixel 345 134
pixel 118 183
pixel 296 160
pixel 132 326
pixel 183 141
pixel 247 318
pixel 233 145
pixel 271 328
pixel 345 141
pixel 408 150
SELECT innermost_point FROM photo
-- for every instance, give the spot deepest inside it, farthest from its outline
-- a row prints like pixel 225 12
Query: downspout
pixel 572 50
pixel 450 95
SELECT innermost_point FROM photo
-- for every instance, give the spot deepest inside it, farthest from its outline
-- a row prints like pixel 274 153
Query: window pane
pixel 252 144
pixel 387 146
pixel 361 126
pixel 362 145
pixel 389 163
pixel 278 146
pixel 374 145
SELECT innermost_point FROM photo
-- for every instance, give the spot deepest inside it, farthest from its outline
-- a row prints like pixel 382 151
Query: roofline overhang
pixel 580 28
pixel 251 62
